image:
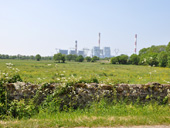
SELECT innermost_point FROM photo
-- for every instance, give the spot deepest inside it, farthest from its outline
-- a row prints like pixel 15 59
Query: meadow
pixel 49 71
pixel 100 113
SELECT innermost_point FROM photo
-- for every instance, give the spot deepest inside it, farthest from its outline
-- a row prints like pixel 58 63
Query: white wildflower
pixel 144 60
pixel 39 78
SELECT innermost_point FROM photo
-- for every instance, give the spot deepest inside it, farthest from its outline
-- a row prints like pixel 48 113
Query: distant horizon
pixel 39 27
pixel 79 50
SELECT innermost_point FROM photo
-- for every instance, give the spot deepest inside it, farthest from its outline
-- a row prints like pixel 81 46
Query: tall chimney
pixel 135 43
pixel 99 40
pixel 76 46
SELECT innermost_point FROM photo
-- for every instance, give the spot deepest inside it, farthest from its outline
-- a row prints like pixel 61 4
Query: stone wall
pixel 81 94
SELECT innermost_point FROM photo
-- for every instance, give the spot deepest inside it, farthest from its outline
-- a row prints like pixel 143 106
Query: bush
pixel 123 59
pixel 88 58
pixel 80 58
pixel 114 60
pixel 19 109
pixel 94 59
pixel 134 59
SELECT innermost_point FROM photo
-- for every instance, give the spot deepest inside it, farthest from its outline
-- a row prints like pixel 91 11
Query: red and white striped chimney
pixel 99 40
pixel 135 43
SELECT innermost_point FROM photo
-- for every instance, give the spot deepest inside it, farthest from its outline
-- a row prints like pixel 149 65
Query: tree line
pixel 24 57
pixel 57 57
pixel 62 58
pixel 153 56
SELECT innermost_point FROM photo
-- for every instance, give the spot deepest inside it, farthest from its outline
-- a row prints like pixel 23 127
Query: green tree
pixel 152 59
pixel 88 58
pixel 168 61
pixel 80 58
pixel 38 57
pixel 114 60
pixel 63 58
pixel 69 57
pixel 162 59
pixel 134 59
pixel 168 48
pixel 143 51
pixel 123 59
pixel 94 59
pixel 57 57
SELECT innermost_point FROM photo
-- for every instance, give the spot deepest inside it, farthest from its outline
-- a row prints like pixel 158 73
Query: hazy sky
pixel 29 27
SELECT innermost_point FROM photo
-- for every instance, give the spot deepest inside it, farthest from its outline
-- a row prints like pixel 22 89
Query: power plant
pixel 95 51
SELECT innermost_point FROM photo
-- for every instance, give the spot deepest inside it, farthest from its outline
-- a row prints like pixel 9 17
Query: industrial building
pixel 73 52
pixel 96 51
pixel 106 52
pixel 81 53
pixel 65 52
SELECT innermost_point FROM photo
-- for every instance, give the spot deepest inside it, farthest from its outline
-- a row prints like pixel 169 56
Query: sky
pixel 30 27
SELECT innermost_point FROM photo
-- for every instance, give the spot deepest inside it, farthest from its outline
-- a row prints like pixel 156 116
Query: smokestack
pixel 76 46
pixel 99 40
pixel 135 43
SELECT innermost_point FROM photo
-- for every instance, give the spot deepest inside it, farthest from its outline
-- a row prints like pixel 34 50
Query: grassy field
pixel 48 71
pixel 100 114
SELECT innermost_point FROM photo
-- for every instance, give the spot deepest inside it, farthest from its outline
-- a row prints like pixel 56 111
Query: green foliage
pixel 152 59
pixel 80 58
pixel 88 58
pixel 152 49
pixel 50 105
pixel 114 60
pixel 69 57
pixel 123 59
pixel 162 58
pixel 15 78
pixel 168 63
pixel 134 59
pixel 38 57
pixel 168 48
pixel 143 51
pixel 21 109
pixel 94 59
pixel 59 57
pixel 2 98
pixel 63 58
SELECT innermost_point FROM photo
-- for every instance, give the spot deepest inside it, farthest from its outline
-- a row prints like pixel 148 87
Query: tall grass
pixel 99 114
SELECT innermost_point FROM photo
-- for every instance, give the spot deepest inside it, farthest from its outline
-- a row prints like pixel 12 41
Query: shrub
pixel 80 58
pixel 94 59
pixel 19 109
pixel 88 58
pixel 114 60
pixel 134 59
